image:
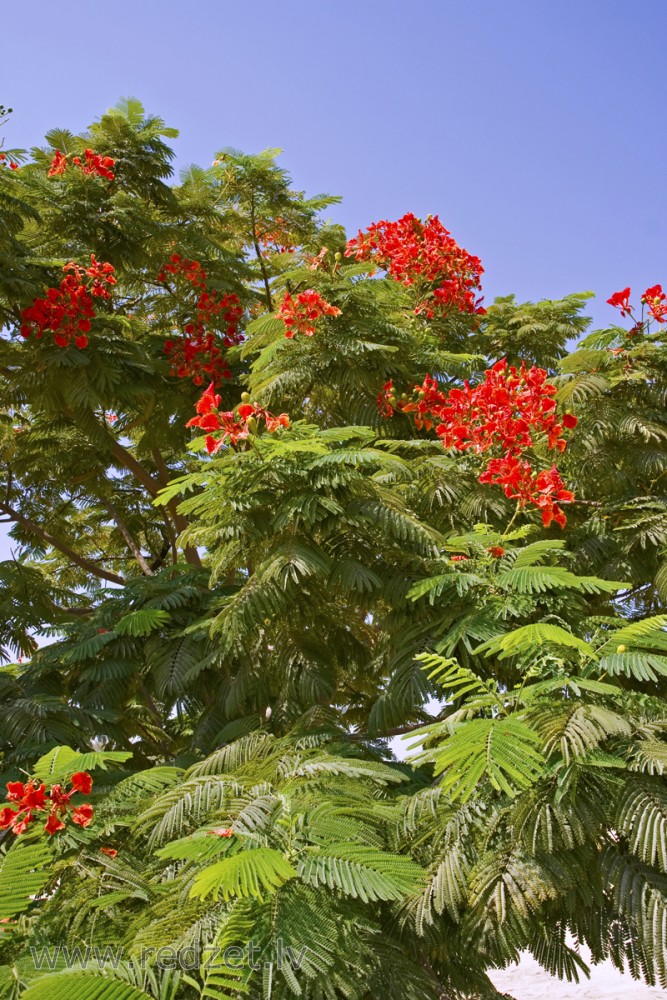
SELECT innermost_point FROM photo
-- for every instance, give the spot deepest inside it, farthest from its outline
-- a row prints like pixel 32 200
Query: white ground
pixel 527 981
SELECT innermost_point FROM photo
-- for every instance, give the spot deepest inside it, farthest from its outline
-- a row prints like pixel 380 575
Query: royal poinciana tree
pixel 274 496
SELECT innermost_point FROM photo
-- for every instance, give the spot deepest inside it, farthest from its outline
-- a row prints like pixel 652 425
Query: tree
pixel 275 497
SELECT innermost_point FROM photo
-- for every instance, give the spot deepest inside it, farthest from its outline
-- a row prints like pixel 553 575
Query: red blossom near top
pixel 12 164
pixel 197 354
pixel 621 300
pixel 32 797
pixel 235 426
pixel 497 551
pixel 58 164
pixel 92 164
pixel 300 314
pixel 426 255
pixel 656 300
pixel 67 311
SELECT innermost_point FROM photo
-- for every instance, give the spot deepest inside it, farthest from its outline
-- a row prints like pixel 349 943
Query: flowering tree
pixel 275 496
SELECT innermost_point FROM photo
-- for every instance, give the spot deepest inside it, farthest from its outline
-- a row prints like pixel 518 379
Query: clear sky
pixel 534 128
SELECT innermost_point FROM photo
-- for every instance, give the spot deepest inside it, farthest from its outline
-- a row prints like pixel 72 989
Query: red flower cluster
pixel 31 798
pixel 12 164
pixel 196 354
pixel 94 164
pixel 277 239
pixel 235 426
pixel 178 266
pixel 504 412
pixel 544 489
pixel 197 357
pixel 425 254
pixel 300 315
pixel 68 310
pixel 654 298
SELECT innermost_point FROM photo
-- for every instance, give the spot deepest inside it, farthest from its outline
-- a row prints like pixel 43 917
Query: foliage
pixel 225 605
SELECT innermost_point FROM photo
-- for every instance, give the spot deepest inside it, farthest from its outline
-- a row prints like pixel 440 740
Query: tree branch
pixel 180 522
pixel 260 258
pixel 127 535
pixel 61 546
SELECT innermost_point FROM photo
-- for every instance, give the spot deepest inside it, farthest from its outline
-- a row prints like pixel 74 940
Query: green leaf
pixel 24 871
pixel 503 750
pixel 248 873
pixel 81 986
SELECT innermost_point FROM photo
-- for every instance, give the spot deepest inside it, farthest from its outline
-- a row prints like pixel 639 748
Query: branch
pixel 260 258
pixel 61 546
pixel 398 731
pixel 159 559
pixel 154 486
pixel 131 543
pixel 180 522
pixel 127 459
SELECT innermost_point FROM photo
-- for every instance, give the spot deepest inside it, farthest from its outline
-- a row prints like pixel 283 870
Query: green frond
pixel 251 872
pixel 24 871
pixel 82 986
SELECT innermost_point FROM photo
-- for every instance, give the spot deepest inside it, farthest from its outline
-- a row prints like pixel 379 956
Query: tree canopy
pixel 275 496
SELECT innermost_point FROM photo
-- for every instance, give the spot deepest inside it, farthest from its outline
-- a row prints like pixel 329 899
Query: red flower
pixel 497 551
pixel 198 354
pixel 273 423
pixel 235 427
pixel 459 558
pixel 15 791
pixel 53 824
pixel 300 315
pixel 82 782
pixel 20 825
pixel 424 255
pixel 32 797
pixel 508 412
pixel 222 831
pixel 66 311
pixel 82 815
pixel 58 164
pixel 7 817
pixel 621 300
pixel 656 300
pixel 110 852
pixel 100 165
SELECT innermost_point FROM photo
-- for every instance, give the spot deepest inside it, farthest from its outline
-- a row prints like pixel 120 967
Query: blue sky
pixel 534 128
